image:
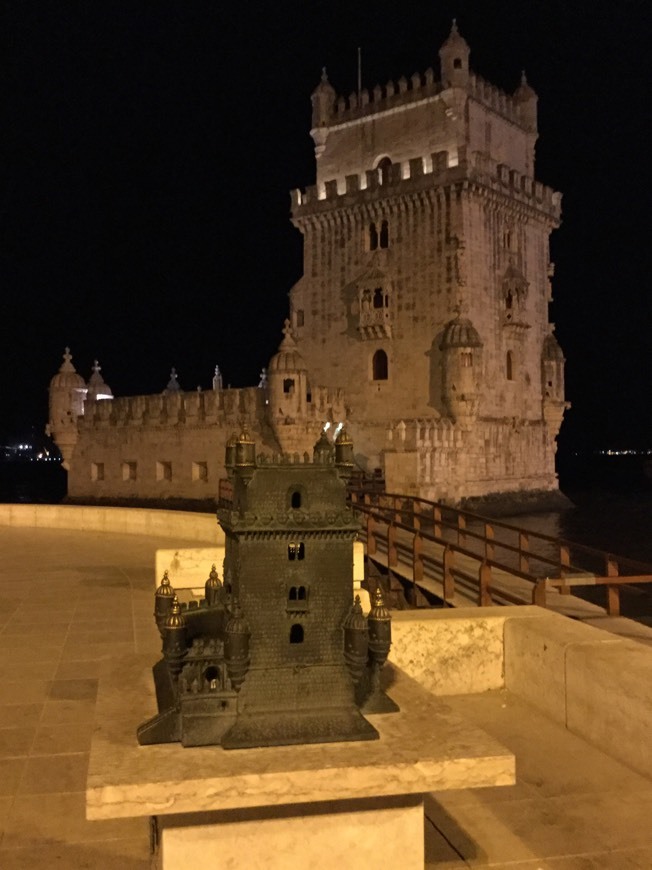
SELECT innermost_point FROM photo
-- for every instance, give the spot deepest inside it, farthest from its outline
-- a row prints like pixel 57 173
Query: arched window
pixel 378 297
pixel 295 500
pixel 292 596
pixel 384 235
pixel 379 366
pixel 296 633
pixel 509 366
pixel 383 170
pixel 288 385
pixel 373 237
pixel 457 63
pixel 301 593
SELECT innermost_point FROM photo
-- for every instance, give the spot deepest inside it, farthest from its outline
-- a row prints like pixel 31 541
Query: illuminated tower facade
pixel 427 280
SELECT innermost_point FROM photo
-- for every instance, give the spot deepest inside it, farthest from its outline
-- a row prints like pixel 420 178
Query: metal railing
pixel 544 561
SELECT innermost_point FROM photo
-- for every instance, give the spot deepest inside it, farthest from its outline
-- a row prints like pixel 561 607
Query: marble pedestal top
pixel 423 748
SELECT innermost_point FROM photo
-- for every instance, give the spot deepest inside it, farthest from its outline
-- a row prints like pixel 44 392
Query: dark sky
pixel 149 149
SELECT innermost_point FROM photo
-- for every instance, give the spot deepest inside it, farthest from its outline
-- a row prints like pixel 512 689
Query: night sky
pixel 150 147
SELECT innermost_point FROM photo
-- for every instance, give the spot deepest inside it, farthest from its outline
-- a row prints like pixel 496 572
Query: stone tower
pixel 425 205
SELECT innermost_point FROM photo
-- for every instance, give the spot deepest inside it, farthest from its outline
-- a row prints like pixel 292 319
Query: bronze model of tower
pixel 277 653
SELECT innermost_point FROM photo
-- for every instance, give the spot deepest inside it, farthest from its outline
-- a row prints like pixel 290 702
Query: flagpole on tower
pixel 359 71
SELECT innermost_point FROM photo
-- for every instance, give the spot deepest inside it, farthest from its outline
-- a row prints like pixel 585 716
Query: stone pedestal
pixel 379 833
pixel 339 805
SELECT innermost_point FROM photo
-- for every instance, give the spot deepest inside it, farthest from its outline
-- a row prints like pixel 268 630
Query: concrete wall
pixel 178 525
pixel 594 683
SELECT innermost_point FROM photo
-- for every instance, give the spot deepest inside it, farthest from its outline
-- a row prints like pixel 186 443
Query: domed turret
pixel 323 100
pixel 173 385
pixel 97 387
pixel 552 370
pixel 461 349
pixel 454 58
pixel 287 379
pixel 67 393
pixel 526 100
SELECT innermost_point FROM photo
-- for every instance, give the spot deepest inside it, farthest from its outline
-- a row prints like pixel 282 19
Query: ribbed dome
pixel 524 92
pixel 324 88
pixel 460 332
pixel 455 39
pixel 67 377
pixel 288 358
pixel 97 386
pixel 551 350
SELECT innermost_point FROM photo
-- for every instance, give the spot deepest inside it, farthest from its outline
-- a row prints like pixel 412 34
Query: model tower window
pixel 380 366
pixel 296 633
pixel 373 237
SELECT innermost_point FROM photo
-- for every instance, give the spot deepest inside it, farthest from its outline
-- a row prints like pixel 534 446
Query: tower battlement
pixel 441 168
pixel 418 88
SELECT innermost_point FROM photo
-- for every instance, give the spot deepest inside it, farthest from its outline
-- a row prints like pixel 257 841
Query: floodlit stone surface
pixel 421 315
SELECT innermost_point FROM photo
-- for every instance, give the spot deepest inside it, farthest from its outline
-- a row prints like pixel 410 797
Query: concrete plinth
pixel 321 798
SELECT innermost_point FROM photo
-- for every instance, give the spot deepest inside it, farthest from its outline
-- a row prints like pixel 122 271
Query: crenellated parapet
pixel 210 408
pixel 384 98
pixel 419 87
pixel 440 169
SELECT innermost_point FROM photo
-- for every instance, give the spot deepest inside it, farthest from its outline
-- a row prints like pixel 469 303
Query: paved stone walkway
pixel 69 602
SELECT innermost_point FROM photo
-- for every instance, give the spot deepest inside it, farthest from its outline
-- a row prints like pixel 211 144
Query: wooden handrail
pixel 390 517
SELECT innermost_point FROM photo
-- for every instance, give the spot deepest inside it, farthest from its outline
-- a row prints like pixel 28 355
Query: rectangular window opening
pixel 164 471
pixel 129 470
pixel 200 471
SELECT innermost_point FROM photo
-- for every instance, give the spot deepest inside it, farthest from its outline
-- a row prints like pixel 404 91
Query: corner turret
pixel 552 386
pixel 67 393
pixel 461 349
pixel 323 103
pixel 97 387
pixel 526 101
pixel 454 59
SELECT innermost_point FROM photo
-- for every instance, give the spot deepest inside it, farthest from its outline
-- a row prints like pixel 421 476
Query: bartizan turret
pixel 323 102
pixel 67 393
pixel 97 386
pixel 454 60
pixel 552 382
pixel 461 349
